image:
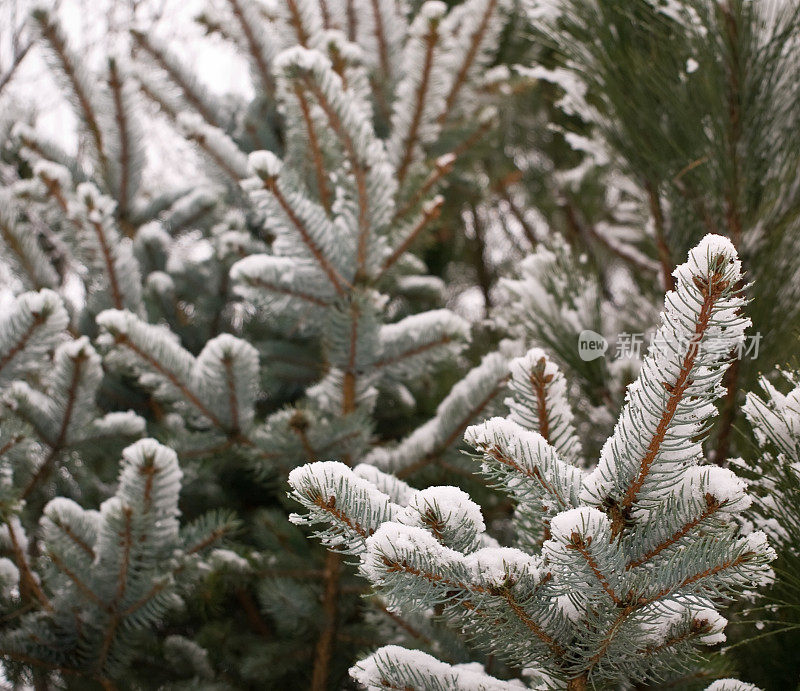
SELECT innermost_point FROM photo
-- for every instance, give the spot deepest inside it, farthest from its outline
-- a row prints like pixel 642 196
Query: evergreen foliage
pixel 305 258
pixel 405 230
pixel 617 572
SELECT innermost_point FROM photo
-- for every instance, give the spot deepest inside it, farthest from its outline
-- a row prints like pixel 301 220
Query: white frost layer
pixel 228 559
pixel 758 542
pixel 494 564
pixel 398 491
pixel 731 685
pixel 452 504
pixel 715 622
pixel 721 483
pixel 584 520
pixel 387 667
pixel 331 476
pixel 489 565
pixel 9 577
pixel 264 164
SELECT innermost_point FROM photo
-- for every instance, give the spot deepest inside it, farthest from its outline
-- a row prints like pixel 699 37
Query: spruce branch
pixel 258 46
pixel 619 590
pixel 129 164
pixel 202 102
pixel 78 82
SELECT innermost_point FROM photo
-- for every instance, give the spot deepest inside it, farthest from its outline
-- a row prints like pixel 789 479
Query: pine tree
pixel 292 310
pixel 306 259
pixel 683 121
pixel 617 572
pixel 771 470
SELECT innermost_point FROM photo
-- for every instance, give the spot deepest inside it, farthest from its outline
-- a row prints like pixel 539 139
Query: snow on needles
pixel 378 672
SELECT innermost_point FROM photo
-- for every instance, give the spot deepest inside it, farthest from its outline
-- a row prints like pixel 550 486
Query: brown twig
pixel 661 242
pixel 262 68
pixel 56 42
pixel 429 214
pixel 123 127
pixel 712 507
pixel 325 194
pixel 56 446
pixel 431 40
pixel 469 58
pixel 336 279
pixel 324 648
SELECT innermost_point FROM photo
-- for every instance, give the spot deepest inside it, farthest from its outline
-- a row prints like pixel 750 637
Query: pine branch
pixel 661 243
pixel 713 506
pixel 502 187
pixel 57 445
pixel 29 329
pixel 122 340
pixel 430 212
pixel 122 581
pixel 21 247
pixel 194 94
pixel 29 585
pixel 321 174
pixel 442 167
pixel 712 292
pixel 16 61
pixel 380 35
pixel 456 432
pixel 296 20
pixel 254 47
pixel 54 36
pixel 223 151
pixel 338 282
pixel 475 41
pixel 126 185
pixel 431 41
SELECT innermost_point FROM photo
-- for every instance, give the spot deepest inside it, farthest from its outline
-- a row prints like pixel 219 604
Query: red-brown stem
pixel 188 92
pixel 56 446
pixel 712 507
pixel 380 35
pixel 262 68
pixel 123 126
pixel 676 395
pixel 333 275
pixel 190 395
pixel 431 40
pixel 357 168
pixel 436 174
pixel 52 36
pixel 297 22
pixel 661 241
pixel 502 189
pixel 29 586
pixel 38 320
pixel 316 152
pixel 469 58
pixel 324 649
pixel 429 214
pixel 583 549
